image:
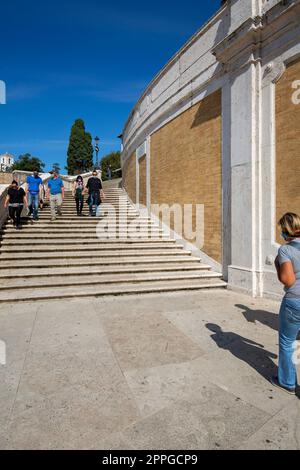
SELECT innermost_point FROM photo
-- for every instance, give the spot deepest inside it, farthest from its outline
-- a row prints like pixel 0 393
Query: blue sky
pixel 62 60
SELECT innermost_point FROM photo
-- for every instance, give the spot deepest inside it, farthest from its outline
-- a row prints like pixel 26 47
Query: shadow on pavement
pixel 262 316
pixel 245 350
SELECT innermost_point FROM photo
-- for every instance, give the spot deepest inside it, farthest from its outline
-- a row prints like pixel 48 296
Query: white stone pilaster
pixel 226 176
pixel 246 268
pixel 148 166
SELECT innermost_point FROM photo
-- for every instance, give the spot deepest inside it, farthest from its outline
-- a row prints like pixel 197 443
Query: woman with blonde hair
pixel 288 269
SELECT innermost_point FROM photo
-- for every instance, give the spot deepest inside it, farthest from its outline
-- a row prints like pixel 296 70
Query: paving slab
pixel 70 419
pixel 210 418
pixel 282 432
pixel 150 340
pixel 157 387
pixel 16 325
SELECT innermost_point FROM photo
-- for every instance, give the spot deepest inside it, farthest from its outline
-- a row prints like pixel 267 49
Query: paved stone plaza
pixel 178 371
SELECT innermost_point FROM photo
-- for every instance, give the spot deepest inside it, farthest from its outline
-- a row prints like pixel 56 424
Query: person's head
pixel 14 184
pixel 95 173
pixel 35 172
pixel 213 327
pixel 79 179
pixel 55 174
pixel 290 226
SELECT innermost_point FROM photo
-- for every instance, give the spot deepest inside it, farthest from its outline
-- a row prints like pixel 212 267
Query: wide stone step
pixel 102 279
pixel 111 226
pixel 74 245
pixel 80 222
pixel 72 206
pixel 85 214
pixel 117 238
pixel 80 238
pixel 61 252
pixel 76 220
pixel 77 250
pixel 72 209
pixel 107 211
pixel 45 293
pixel 24 272
pixel 17 263
pixel 145 227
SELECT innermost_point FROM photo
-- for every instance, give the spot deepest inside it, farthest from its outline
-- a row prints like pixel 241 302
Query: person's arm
pixel 48 191
pixel 6 202
pixel 63 191
pixel 73 189
pixel 41 195
pixel 25 200
pixel 102 194
pixel 86 189
pixel 26 186
pixel 286 274
pixel 284 267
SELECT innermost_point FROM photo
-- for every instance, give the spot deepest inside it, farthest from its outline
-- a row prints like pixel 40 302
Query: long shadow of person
pixel 262 316
pixel 245 350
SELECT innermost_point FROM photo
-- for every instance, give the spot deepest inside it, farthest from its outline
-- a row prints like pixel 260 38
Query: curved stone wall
pixel 216 127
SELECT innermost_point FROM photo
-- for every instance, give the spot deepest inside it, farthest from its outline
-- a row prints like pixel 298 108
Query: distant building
pixel 6 161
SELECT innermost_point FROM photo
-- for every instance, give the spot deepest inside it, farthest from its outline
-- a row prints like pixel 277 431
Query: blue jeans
pixel 289 326
pixel 34 200
pixel 94 204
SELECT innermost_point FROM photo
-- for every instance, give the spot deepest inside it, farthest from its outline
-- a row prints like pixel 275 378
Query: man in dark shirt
pixel 95 190
pixel 15 201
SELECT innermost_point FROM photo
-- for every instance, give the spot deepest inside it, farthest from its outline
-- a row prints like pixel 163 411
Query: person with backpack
pixel 15 200
pixel 95 191
pixel 288 269
pixel 34 185
pixel 77 191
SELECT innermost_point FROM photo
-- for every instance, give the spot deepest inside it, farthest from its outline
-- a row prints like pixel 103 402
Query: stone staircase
pixel 66 258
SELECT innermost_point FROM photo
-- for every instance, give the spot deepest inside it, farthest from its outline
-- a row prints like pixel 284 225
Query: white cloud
pixel 24 91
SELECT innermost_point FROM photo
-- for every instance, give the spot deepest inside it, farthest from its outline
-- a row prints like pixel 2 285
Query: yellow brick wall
pixel 287 145
pixel 186 166
pixel 143 180
pixel 129 176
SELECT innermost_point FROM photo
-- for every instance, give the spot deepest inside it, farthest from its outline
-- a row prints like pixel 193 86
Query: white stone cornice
pixel 245 40
pixel 252 35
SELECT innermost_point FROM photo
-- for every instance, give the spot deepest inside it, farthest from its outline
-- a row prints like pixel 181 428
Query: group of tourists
pixel 34 195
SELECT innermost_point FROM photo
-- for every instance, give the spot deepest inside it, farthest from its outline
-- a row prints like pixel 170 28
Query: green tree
pixel 80 150
pixel 27 162
pixel 114 160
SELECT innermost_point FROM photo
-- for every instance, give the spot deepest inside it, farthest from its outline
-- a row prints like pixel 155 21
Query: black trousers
pixel 79 204
pixel 15 214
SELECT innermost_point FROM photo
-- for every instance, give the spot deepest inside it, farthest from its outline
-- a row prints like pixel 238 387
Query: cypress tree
pixel 80 150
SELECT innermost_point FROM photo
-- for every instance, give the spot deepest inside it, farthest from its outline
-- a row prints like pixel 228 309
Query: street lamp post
pixel 82 165
pixel 97 148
